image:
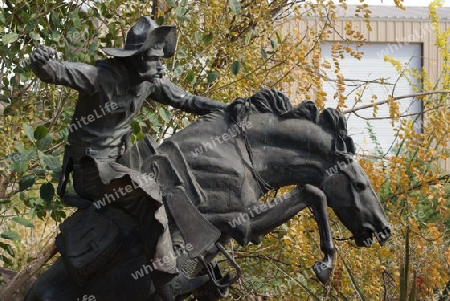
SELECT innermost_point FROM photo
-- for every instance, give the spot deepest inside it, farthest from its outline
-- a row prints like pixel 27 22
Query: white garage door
pixel 372 67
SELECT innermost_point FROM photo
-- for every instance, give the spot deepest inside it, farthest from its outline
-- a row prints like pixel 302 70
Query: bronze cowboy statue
pixel 99 152
pixel 152 218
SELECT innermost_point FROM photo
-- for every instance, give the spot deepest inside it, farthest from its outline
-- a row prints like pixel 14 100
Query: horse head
pixel 347 187
pixel 351 196
pixel 312 147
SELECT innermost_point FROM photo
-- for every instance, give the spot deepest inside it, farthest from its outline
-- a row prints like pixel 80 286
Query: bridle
pixel 263 186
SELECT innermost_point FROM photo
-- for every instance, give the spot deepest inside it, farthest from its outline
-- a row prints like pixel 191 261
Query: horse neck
pixel 288 151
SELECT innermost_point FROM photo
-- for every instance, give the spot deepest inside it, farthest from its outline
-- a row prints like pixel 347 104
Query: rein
pixel 262 184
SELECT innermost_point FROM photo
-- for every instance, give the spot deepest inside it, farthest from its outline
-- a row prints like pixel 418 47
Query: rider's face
pixel 147 65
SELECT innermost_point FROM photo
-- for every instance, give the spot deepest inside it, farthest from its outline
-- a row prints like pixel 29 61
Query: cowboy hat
pixel 147 35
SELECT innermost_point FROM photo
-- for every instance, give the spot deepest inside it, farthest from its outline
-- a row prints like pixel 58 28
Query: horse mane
pixel 276 102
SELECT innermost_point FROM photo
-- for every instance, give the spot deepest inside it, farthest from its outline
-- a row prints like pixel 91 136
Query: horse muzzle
pixel 365 237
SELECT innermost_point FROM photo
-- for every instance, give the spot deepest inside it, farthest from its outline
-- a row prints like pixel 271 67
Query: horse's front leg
pixel 322 268
pixel 285 207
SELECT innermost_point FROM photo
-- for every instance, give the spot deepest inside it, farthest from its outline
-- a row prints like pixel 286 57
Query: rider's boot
pixel 168 286
pixel 163 289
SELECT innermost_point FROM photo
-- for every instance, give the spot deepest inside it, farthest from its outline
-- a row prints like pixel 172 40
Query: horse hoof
pixel 323 271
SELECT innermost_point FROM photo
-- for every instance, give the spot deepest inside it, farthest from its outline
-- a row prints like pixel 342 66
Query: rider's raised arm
pixel 168 93
pixel 79 76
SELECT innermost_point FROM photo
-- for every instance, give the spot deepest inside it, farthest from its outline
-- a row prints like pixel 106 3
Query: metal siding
pixel 374 68
pixel 395 30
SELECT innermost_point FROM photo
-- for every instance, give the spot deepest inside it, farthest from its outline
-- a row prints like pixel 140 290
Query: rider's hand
pixel 40 56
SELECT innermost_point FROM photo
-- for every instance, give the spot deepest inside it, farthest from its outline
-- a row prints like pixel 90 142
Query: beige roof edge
pixel 380 12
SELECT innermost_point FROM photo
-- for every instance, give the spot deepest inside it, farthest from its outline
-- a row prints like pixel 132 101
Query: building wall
pixel 393 28
pixel 398 32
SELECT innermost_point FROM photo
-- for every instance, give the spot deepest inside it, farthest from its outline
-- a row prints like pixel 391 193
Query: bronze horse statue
pixel 226 161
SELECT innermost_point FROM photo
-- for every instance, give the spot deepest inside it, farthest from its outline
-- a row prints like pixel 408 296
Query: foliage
pixel 228 49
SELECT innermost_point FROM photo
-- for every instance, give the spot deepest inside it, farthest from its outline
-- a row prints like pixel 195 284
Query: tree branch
pixel 18 281
pixel 445 178
pixel 395 98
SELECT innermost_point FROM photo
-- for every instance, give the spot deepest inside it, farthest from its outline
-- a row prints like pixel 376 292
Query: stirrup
pixel 182 285
pixel 210 269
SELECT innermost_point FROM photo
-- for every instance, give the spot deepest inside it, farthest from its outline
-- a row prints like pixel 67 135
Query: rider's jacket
pixel 108 101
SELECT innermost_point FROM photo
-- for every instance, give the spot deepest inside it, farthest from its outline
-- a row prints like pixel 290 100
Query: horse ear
pixel 350 145
pixel 338 191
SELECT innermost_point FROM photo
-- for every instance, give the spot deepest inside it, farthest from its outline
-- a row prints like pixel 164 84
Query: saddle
pixel 181 193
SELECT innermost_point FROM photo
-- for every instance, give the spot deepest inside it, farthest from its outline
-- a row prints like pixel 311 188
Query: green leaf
pixel 56 36
pixel 35 36
pixel 207 38
pixel 235 67
pixel 10 235
pixel 39 172
pixel 14 157
pixel 10 38
pixel 31 24
pixel 180 12
pixel 26 182
pixel 93 47
pixel 248 37
pixel 160 20
pixel 190 77
pixel 235 7
pixel 36 202
pixel 172 3
pixel 75 17
pixel 181 53
pixel 212 76
pixel 23 156
pixel 7 248
pixel 135 127
pixel 177 70
pixel 23 76
pixel 278 37
pixel 8 262
pixel 274 43
pixel 22 221
pixel 263 53
pixel 47 192
pixel 28 131
pixel 153 119
pixel 4 99
pixel 54 18
pixel 139 136
pixel 49 161
pixel 40 132
pixel 19 167
pixel 198 36
pixel 41 214
pixel 185 122
pixel 19 146
pixel 165 114
pixel 45 142
pixel 58 215
pixel 2 19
